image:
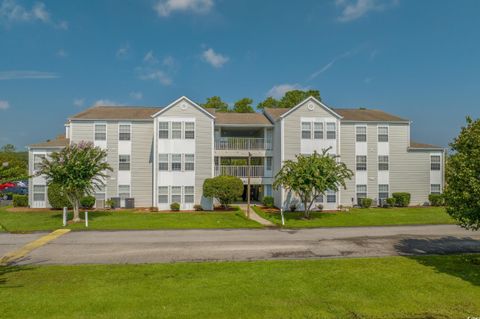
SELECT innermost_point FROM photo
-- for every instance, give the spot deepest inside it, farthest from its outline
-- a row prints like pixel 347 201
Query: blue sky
pixel 416 59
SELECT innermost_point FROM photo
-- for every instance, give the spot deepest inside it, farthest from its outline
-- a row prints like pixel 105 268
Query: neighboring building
pixel 163 155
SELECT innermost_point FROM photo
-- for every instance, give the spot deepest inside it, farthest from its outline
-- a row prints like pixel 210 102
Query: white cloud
pixel 150 58
pixel 62 53
pixel 136 95
pixel 165 7
pixel 153 74
pixel 123 51
pixel 217 60
pixel 278 91
pixel 331 63
pixel 4 105
pixel 355 9
pixel 106 102
pixel 12 12
pixel 79 102
pixel 169 61
pixel 35 75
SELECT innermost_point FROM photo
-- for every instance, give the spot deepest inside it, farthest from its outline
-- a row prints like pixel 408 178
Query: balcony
pixel 242 144
pixel 241 170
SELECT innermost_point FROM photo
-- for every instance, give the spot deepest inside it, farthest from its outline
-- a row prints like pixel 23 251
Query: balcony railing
pixel 240 170
pixel 242 143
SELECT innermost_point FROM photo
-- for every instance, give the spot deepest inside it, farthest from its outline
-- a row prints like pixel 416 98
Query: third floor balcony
pixel 243 143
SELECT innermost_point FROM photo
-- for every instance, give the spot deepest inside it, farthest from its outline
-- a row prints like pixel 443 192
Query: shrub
pixel 198 207
pixel 223 188
pixel 391 201
pixel 175 206
pixel 293 207
pixel 57 198
pixel 109 203
pixel 268 201
pixel 402 199
pixel 320 207
pixel 20 200
pixel 87 202
pixel 436 199
pixel 366 202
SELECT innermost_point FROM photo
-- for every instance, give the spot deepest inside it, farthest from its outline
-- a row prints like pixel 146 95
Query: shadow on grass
pixel 466 267
pixel 7 269
pixel 91 215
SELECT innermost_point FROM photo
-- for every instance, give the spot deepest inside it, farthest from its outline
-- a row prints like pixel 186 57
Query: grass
pixel 362 217
pixel 391 287
pixel 122 220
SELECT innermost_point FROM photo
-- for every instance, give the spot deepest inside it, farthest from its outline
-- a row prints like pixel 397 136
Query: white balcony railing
pixel 240 170
pixel 242 143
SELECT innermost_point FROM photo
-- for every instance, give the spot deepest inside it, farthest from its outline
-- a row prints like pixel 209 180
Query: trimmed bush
pixel 320 207
pixel 225 189
pixel 366 202
pixel 175 206
pixel 198 207
pixel 87 202
pixel 436 199
pixel 391 201
pixel 56 198
pixel 268 201
pixel 20 200
pixel 293 207
pixel 402 199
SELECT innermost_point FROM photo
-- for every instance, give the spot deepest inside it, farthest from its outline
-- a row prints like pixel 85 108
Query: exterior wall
pixel 347 156
pixel 37 180
pixel 142 163
pixel 277 159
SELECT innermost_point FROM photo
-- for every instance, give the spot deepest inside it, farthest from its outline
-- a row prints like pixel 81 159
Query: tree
pixel 292 98
pixel 225 189
pixel 13 167
pixel 311 176
pixel 79 169
pixel 268 102
pixel 8 148
pixel 462 192
pixel 243 106
pixel 215 102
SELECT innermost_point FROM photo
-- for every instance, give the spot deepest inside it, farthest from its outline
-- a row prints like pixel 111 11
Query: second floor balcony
pixel 242 171
pixel 243 143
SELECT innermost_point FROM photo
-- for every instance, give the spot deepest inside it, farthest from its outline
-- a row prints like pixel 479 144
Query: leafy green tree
pixel 56 197
pixel 243 106
pixel 215 102
pixel 311 176
pixel 80 169
pixel 268 102
pixel 7 148
pixel 462 192
pixel 13 167
pixel 225 189
pixel 292 98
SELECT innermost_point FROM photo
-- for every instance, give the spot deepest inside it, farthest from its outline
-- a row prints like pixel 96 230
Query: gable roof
pixel 116 113
pixel 226 118
pixel 418 145
pixel 311 98
pixel 59 142
pixel 203 110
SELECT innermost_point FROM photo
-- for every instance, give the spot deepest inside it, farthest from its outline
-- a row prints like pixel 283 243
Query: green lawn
pixel 392 287
pixel 363 217
pixel 117 220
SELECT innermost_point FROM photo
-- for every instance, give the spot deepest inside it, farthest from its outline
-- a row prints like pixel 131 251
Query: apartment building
pixel 162 155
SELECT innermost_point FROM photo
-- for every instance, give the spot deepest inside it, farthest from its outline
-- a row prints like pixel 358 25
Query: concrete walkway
pixel 254 216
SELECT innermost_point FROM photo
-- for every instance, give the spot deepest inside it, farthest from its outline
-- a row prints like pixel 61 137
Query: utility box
pixel 116 202
pixel 100 204
pixel 129 202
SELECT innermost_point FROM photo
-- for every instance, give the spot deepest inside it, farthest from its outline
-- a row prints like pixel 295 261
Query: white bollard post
pixel 64 216
pixel 86 219
pixel 283 219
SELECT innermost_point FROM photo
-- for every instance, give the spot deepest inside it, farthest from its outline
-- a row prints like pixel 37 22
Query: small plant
pixel 87 202
pixel 20 200
pixel 436 199
pixel 391 202
pixel 402 199
pixel 198 207
pixel 366 202
pixel 293 207
pixel 320 207
pixel 175 206
pixel 109 203
pixel 268 201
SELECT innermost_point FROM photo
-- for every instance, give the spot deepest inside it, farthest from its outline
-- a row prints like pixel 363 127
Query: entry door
pixel 39 195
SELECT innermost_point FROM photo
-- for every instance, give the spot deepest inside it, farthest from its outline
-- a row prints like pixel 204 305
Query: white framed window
pixel 383 192
pixel 176 162
pixel 361 191
pixel 331 131
pixel 124 131
pixel 163 129
pixel 176 194
pixel 319 199
pixel 331 196
pixel 123 162
pixel 100 132
pixel 306 130
pixel 435 189
pixel 37 161
pixel 189 194
pixel 361 163
pixel 361 133
pixel 189 162
pixel 383 133
pixel 176 130
pixel 435 162
pixel 267 190
pixel 383 162
pixel 39 193
pixel 123 191
pixel 318 130
pixel 163 162
pixel 268 163
pixel 189 130
pixel 163 194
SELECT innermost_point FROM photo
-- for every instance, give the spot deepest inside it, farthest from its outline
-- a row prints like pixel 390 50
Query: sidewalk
pixel 254 216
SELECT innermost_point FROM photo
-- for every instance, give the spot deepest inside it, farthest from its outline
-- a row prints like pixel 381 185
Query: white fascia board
pixel 188 100
pixel 311 98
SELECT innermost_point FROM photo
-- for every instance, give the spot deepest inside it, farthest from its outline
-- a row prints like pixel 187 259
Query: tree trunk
pixel 76 212
pixel 306 209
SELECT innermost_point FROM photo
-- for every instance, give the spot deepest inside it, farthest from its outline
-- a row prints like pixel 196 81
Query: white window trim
pixel 366 132
pixel 326 130
pixel 118 129
pixel 129 162
pixel 185 194
pixel 95 131
pixel 388 132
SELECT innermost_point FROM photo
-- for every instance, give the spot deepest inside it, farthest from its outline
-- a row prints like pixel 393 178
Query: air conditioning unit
pixel 100 204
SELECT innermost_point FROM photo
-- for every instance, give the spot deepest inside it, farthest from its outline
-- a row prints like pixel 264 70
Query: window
pixel 435 162
pixel 331 197
pixel 361 192
pixel 177 130
pixel 331 131
pixel 383 133
pixel 176 162
pixel 318 130
pixel 39 193
pixel 189 162
pixel 176 194
pixel 306 130
pixel 268 190
pixel 189 130
pixel 361 163
pixel 268 163
pixel 123 162
pixel 383 192
pixel 163 194
pixel 163 130
pixel 383 163
pixel 100 132
pixel 124 191
pixel 361 132
pixel 319 199
pixel 163 162
pixel 37 161
pixel 435 189
pixel 124 132
pixel 189 194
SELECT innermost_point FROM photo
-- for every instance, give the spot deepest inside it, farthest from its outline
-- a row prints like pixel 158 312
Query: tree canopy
pixel 13 165
pixel 215 102
pixel 268 102
pixel 8 148
pixel 243 106
pixel 289 99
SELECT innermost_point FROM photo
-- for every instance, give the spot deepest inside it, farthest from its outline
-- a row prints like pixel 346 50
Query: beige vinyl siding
pixel 372 161
pixel 347 156
pixel 141 162
pixel 112 158
pixel 30 180
pixel 81 131
pixel 277 158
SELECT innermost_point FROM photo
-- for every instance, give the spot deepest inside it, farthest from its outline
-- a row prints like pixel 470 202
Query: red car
pixel 7 185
